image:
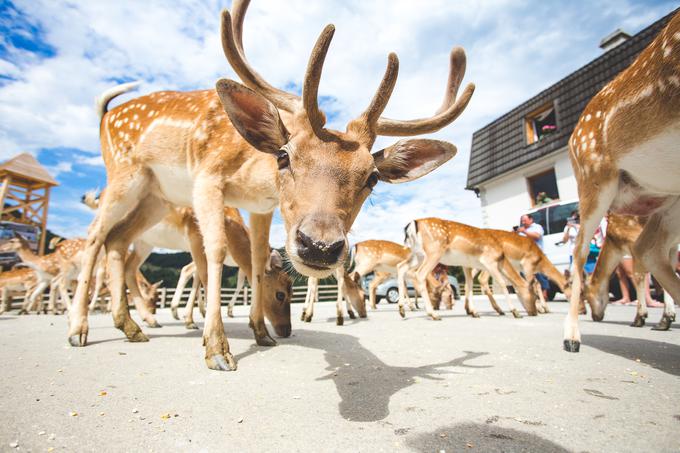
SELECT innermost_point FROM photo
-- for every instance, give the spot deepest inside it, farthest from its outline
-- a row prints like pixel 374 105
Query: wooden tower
pixel 25 193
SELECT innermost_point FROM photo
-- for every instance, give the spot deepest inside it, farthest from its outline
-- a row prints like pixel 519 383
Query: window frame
pixel 530 135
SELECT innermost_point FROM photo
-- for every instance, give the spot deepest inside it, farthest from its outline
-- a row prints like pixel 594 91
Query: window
pixel 543 187
pixel 540 218
pixel 558 215
pixel 540 123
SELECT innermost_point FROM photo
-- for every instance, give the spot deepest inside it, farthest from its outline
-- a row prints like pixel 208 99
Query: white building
pixel 524 152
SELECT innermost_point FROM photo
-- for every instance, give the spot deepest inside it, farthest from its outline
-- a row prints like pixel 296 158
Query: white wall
pixel 506 198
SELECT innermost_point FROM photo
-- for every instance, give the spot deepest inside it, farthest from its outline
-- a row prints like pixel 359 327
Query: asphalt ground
pixel 382 384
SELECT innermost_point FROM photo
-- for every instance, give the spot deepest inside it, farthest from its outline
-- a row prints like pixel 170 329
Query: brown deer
pixel 254 147
pixel 349 291
pixel 624 151
pixel 527 257
pixel 433 241
pixel 622 232
pixel 14 282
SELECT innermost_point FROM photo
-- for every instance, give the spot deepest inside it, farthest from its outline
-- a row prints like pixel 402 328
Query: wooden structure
pixel 25 193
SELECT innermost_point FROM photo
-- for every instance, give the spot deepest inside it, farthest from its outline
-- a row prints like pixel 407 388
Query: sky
pixel 56 56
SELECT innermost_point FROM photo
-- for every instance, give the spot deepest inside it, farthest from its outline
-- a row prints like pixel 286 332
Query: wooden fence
pixel 327 293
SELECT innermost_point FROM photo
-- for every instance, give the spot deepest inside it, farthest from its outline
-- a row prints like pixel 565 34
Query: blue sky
pixel 55 57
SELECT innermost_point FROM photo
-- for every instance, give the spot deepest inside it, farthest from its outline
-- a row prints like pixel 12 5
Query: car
pixel 7 229
pixel 389 289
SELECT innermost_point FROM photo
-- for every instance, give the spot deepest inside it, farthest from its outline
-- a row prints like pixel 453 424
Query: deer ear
pixel 275 261
pixel 253 116
pixel 407 160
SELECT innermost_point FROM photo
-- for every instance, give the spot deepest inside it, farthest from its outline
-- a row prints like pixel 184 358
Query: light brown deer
pixel 14 282
pixel 622 232
pixel 381 257
pixel 434 240
pixel 527 257
pixel 624 151
pixel 253 147
pixel 349 291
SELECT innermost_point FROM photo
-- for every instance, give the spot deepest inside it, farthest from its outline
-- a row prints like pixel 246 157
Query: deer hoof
pixel 516 314
pixel 339 321
pixel 175 315
pixel 265 340
pixel 435 317
pixel 308 318
pixel 501 313
pixel 138 337
pixel 474 314
pixel 221 362
pixel 302 317
pixel 639 321
pixel 78 340
pixel 665 323
pixel 402 312
pixel 230 313
pixel 153 324
pixel 572 345
pixel 351 315
pixel 190 325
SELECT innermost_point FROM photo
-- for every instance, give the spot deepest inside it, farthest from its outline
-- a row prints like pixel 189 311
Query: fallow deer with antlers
pixel 255 147
pixel 434 240
pixel 624 151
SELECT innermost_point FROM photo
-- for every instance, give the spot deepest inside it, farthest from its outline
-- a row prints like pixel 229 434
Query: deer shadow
pixel 657 354
pixel 481 437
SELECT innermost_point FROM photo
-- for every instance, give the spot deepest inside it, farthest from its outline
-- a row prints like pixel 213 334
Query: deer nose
pixel 318 253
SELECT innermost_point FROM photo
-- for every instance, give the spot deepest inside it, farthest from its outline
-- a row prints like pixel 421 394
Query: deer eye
pixel 372 180
pixel 280 296
pixel 282 160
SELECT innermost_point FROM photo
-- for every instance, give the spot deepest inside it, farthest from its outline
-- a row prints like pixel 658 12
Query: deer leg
pixel 493 266
pixel 99 277
pixel 4 300
pixel 139 254
pixel 184 276
pixel 191 300
pixel 656 251
pixel 259 227
pixel 421 276
pixel 486 288
pixel 593 207
pixel 209 209
pixel 340 277
pixel 639 278
pixel 310 299
pixel 121 196
pixel 149 212
pixel 404 268
pixel 240 280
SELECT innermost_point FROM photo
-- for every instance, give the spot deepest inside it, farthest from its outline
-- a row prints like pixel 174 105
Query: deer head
pixel 15 244
pixel 278 291
pixel 325 175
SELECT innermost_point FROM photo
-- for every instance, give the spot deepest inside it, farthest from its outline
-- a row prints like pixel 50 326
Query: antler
pixel 384 92
pixel 310 88
pixel 232 44
pixel 450 109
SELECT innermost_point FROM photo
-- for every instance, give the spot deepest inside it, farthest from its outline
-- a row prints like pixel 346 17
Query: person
pixel 569 238
pixel 529 228
pixel 624 271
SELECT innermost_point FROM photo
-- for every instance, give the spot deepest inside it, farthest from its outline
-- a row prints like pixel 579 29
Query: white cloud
pixel 514 49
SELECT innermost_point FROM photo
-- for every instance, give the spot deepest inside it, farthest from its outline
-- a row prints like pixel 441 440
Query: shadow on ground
pixel 364 383
pixel 481 437
pixel 657 354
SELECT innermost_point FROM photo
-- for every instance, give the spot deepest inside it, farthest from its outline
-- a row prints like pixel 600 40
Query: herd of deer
pixel 179 164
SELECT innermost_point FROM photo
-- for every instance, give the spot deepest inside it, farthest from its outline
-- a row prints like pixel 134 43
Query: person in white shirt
pixel 569 238
pixel 534 231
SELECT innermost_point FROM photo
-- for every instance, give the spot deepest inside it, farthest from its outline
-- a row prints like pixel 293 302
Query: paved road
pixel 385 384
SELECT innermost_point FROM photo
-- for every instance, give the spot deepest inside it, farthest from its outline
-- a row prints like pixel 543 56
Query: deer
pixel 379 256
pixel 526 256
pixel 622 232
pixel 624 152
pixel 349 290
pixel 255 147
pixel 13 282
pixel 434 241
pixel 176 232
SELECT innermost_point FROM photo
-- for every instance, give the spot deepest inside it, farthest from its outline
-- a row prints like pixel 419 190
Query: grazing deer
pixel 381 257
pixel 527 257
pixel 622 232
pixel 624 151
pixel 13 282
pixel 349 290
pixel 254 147
pixel 433 241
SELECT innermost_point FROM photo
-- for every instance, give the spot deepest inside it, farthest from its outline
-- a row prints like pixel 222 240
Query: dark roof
pixel 501 146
